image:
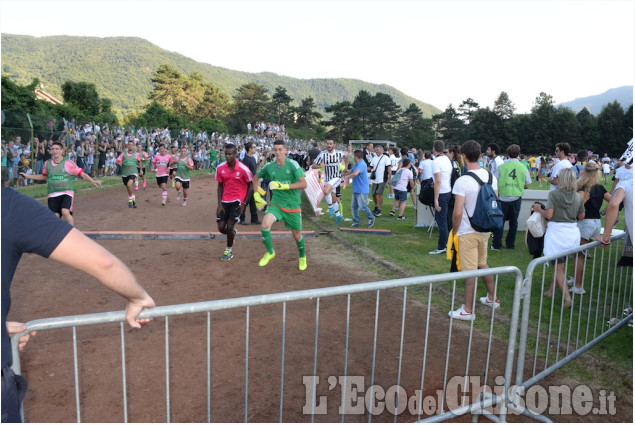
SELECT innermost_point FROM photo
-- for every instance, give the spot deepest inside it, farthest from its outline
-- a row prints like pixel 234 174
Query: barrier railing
pixel 564 333
pixel 412 357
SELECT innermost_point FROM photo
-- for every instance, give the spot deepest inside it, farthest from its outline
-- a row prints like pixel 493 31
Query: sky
pixel 440 52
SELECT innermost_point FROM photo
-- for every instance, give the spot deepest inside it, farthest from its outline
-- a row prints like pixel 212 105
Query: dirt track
pixel 176 272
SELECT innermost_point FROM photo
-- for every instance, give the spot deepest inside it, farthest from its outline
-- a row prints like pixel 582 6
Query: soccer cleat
pixel 178 196
pixel 163 203
pixel 130 203
pixel 184 203
pixel 338 219
pixel 227 255
pixel 144 184
pixel 266 258
pixel 331 211
pixel 136 185
pixel 461 314
pixel 493 304
pixel 172 183
pixel 302 263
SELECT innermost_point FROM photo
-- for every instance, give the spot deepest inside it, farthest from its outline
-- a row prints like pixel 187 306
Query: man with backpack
pixel 472 242
pixel 514 178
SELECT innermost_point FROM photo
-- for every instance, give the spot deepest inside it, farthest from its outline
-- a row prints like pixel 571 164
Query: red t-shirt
pixel 235 182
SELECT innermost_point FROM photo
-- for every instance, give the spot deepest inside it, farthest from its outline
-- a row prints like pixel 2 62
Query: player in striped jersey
pixel 330 160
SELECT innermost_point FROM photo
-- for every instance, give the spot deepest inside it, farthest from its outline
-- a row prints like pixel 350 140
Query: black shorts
pixel 57 203
pixel 185 184
pixel 172 171
pixel 231 210
pixel 141 171
pixel 162 179
pixel 338 191
pixel 126 179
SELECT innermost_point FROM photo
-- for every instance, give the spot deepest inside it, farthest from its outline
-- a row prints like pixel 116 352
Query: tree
pixel 339 121
pixel 611 127
pixel 466 110
pixel 504 108
pixel 83 96
pixel 250 105
pixel 449 126
pixel 588 129
pixel 361 118
pixel 280 106
pixel 415 131
pixel 306 114
pixel 385 116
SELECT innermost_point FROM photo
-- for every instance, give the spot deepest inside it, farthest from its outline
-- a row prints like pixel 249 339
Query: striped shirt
pixel 331 162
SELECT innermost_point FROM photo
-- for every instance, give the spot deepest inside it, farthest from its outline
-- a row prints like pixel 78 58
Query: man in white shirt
pixel 495 160
pixel 472 244
pixel 562 153
pixel 442 172
pixel 425 166
pixel 379 170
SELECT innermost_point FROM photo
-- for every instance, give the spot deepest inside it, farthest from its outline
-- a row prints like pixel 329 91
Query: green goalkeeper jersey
pixel 289 173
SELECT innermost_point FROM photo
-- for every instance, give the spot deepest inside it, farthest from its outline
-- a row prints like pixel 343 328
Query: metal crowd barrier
pixel 441 283
pixel 563 334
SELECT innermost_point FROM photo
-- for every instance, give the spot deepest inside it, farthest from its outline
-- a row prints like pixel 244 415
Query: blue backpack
pixel 488 215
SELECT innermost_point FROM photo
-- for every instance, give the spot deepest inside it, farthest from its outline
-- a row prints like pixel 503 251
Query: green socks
pixel 266 238
pixel 300 245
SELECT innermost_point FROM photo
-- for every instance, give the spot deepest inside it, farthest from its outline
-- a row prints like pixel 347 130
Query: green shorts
pixel 292 220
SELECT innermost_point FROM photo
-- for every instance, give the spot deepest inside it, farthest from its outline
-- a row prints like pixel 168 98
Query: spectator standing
pixel 493 153
pixel 514 179
pixel 359 200
pixel 401 188
pixel 562 155
pixel 379 173
pixel 564 209
pixel 472 244
pixel 442 171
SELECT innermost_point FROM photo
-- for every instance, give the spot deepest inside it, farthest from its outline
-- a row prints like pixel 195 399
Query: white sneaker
pixel 493 304
pixel 571 281
pixel 437 251
pixel 461 314
pixel 577 290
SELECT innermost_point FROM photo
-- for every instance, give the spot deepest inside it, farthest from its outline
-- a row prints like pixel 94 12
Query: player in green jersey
pixel 287 178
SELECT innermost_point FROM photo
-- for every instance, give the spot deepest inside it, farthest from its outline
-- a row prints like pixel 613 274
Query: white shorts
pixel 589 228
pixel 334 183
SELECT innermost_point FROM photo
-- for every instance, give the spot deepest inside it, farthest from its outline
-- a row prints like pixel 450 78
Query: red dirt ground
pixel 181 271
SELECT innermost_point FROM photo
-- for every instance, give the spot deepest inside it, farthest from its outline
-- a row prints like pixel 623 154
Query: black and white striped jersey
pixel 331 162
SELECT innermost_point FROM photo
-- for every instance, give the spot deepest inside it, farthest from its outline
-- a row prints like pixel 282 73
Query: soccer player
pixel 145 160
pixel 331 159
pixel 286 177
pixel 59 174
pixel 234 188
pixel 173 153
pixel 162 161
pixel 184 164
pixel 130 162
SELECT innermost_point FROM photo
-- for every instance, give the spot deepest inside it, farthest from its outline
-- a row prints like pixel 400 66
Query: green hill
pixel 121 67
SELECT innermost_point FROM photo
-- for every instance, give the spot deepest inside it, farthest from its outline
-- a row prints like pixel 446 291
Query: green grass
pixel 409 246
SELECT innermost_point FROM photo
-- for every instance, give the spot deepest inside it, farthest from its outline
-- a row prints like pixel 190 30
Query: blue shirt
pixel 360 181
